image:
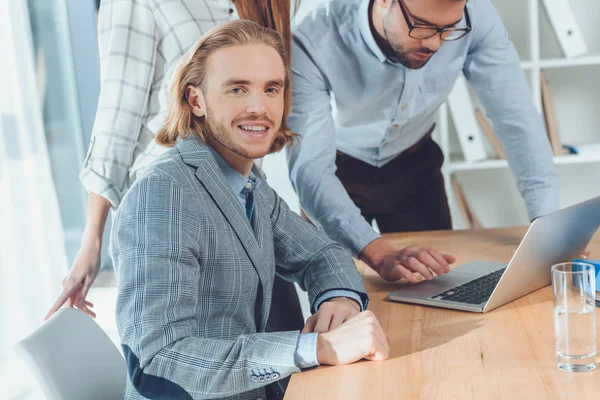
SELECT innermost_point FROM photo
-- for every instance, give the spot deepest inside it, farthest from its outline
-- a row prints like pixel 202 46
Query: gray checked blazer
pixel 195 280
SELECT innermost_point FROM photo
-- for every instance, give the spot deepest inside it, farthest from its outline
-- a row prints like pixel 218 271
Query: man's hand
pixel 392 264
pixel 332 314
pixel 358 338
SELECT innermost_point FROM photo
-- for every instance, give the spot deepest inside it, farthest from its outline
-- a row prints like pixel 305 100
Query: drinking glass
pixel 574 286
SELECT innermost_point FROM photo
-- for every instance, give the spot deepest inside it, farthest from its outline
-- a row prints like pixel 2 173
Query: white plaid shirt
pixel 141 42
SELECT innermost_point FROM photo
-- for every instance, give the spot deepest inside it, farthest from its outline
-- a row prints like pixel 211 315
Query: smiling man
pixel 198 240
pixel 368 78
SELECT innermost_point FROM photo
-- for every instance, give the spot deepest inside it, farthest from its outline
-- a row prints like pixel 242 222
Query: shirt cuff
pixel 95 183
pixel 330 294
pixel 540 202
pixel 306 351
pixel 358 234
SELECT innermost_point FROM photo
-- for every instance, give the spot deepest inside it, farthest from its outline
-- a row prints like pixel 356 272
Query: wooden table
pixel 446 354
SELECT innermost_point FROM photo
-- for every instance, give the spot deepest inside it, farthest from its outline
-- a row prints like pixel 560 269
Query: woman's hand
pixel 80 278
pixel 87 263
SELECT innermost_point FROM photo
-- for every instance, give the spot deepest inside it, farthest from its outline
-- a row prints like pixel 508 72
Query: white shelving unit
pixel 488 185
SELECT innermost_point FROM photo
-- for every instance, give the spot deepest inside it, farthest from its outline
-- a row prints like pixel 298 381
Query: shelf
pixel 459 166
pixel 528 65
pixel 490 188
pixel 569 62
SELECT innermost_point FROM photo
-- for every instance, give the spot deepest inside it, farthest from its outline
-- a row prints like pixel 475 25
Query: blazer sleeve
pixel 154 245
pixel 307 256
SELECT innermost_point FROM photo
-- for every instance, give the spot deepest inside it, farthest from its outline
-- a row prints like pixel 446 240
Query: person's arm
pixel 322 195
pixel 87 262
pixel 492 67
pixel 312 158
pixel 127 39
pixel 306 256
pixel 127 43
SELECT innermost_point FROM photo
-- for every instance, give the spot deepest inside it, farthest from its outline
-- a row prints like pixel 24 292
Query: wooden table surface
pixel 507 353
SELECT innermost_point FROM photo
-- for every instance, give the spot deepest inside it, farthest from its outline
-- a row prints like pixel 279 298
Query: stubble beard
pixel 400 52
pixel 218 132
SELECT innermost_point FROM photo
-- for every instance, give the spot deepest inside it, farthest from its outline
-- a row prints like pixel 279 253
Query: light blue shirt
pixel 306 350
pixel 348 96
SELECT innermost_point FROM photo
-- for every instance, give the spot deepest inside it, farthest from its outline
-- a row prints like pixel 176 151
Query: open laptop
pixel 481 286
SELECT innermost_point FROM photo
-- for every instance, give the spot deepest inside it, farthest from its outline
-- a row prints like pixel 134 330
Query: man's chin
pixel 255 152
pixel 255 155
pixel 254 149
pixel 418 64
pixel 413 62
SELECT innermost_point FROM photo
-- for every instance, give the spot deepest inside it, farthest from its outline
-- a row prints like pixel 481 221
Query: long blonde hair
pixel 180 120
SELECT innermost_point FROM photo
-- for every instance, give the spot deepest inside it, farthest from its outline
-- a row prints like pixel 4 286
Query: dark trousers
pixel 407 194
pixel 285 315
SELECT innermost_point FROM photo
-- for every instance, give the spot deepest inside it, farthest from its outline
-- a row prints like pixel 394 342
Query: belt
pixel 410 150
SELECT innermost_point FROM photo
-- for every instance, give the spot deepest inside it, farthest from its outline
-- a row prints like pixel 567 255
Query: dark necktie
pixel 249 205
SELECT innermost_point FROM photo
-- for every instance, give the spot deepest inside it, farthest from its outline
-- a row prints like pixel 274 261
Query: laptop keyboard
pixel 476 291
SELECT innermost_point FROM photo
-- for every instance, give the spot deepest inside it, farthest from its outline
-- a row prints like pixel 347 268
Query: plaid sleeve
pixel 128 45
pixel 305 255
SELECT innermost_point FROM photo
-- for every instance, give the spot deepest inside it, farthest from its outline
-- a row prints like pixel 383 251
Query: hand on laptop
pixel 359 337
pixel 392 264
pixel 332 314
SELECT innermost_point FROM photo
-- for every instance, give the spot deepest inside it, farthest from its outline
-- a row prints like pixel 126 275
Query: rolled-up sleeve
pixel 127 40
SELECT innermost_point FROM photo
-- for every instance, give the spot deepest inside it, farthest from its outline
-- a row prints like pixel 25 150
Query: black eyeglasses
pixel 421 31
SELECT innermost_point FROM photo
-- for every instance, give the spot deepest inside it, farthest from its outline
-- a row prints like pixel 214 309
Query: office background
pixel 48 94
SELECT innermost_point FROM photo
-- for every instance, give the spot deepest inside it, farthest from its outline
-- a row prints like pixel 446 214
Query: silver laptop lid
pixel 551 239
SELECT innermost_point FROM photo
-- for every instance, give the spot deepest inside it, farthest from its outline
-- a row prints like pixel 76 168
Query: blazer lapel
pixel 195 153
pixel 262 227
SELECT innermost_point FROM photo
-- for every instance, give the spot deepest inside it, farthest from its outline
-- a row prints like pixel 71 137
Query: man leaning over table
pixel 197 241
pixel 368 77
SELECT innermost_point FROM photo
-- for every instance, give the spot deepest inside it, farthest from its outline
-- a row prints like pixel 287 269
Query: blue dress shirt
pixel 306 350
pixel 348 96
